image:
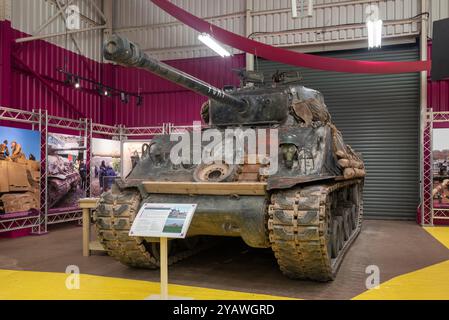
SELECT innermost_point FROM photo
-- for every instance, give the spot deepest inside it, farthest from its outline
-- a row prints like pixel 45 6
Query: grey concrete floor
pixel 396 247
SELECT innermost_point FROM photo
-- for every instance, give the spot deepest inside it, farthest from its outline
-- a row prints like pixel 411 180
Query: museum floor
pixel 413 262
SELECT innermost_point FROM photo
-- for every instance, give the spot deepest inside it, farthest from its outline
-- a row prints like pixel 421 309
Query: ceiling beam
pixel 58 34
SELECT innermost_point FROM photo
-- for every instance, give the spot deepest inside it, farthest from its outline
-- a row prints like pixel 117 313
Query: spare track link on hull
pixel 307 228
pixel 114 217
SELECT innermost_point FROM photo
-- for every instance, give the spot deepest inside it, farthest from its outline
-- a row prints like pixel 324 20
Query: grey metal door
pixel 379 117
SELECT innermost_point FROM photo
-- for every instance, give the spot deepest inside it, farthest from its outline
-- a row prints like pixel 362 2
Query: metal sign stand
pixel 164 221
pixel 164 268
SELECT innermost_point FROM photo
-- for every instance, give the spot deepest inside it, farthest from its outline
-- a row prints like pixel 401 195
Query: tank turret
pixel 260 103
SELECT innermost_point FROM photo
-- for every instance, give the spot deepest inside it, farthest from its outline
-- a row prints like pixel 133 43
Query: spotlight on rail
pixel 213 44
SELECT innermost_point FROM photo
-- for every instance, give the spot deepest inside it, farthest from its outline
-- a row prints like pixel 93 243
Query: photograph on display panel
pixel 67 171
pixel 105 165
pixel 132 153
pixel 19 170
pixel 440 190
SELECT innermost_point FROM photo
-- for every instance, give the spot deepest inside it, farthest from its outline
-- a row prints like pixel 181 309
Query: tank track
pixel 114 217
pixel 312 228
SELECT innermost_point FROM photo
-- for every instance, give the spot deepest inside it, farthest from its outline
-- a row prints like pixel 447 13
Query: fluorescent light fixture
pixel 213 44
pixel 294 9
pixel 374 33
pixel 310 8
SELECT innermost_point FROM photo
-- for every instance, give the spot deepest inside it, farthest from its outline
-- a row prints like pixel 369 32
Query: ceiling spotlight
pixel 124 97
pixel 139 101
pixel 77 83
pixel 213 44
pixel 102 91
pixel 68 79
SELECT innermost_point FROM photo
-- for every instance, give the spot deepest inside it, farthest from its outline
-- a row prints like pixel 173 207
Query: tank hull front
pixel 230 216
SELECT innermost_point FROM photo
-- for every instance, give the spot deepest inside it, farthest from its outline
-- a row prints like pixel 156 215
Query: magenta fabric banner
pixel 286 56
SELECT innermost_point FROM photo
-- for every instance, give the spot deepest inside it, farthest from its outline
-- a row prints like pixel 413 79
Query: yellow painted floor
pixel 440 233
pixel 431 283
pixel 26 285
pixel 428 283
pixel 424 284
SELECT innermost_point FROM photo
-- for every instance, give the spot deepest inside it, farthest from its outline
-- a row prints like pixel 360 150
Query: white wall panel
pixel 165 37
pixel 332 22
pixel 335 24
pixel 29 15
pixel 439 9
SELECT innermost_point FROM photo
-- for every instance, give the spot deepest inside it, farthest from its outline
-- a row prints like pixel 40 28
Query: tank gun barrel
pixel 124 52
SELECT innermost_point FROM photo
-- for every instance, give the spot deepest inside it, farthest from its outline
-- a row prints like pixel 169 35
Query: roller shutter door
pixel 379 116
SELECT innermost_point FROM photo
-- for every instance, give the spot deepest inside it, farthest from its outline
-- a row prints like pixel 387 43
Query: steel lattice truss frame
pixel 440 117
pixel 427 172
pixel 63 123
pixel 56 218
pixel 41 228
pixel 180 129
pixel 40 120
pixel 143 132
pixel 15 115
pixel 20 223
pixel 88 145
pixel 105 130
pixel 439 213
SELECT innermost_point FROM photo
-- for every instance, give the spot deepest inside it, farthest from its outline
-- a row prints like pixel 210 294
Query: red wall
pixel 438 92
pixel 26 91
pixel 21 65
pixel 164 101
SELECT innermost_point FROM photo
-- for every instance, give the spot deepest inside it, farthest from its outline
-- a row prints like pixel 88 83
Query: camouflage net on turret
pixel 312 111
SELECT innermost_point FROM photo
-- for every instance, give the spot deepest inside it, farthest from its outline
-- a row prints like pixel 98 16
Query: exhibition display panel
pixel 57 147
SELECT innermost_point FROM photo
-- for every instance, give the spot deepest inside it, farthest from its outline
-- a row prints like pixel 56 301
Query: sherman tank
pixel 62 177
pixel 308 210
pixel 19 186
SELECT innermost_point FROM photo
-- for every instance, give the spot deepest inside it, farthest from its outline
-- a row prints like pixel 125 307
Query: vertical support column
pixel 423 53
pixel 86 232
pixel 43 212
pixel 164 268
pixel 425 130
pixel 88 145
pixel 427 177
pixel 249 31
pixel 167 128
pixel 108 11
pixel 108 69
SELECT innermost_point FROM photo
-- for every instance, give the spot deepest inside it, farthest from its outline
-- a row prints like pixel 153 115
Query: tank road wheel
pixel 307 228
pixel 114 217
